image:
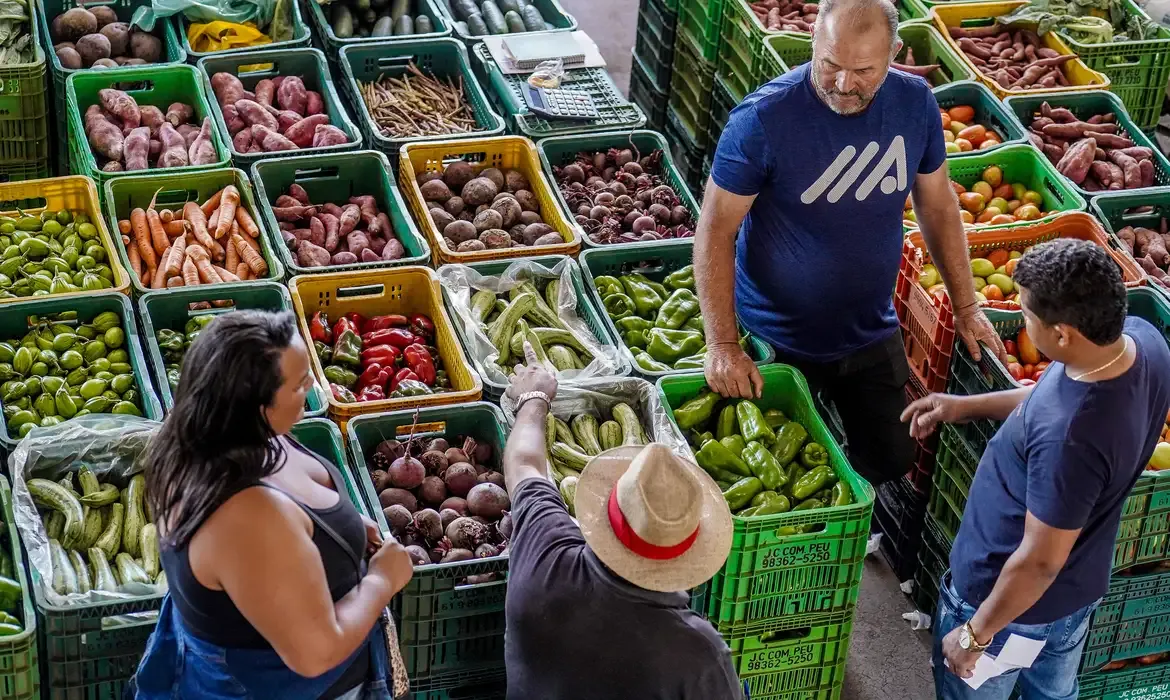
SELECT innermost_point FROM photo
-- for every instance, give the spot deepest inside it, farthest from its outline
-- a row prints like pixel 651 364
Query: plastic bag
pixel 598 396
pixel 260 13
pixel 112 446
pixel 461 281
pixel 207 37
pixel 548 74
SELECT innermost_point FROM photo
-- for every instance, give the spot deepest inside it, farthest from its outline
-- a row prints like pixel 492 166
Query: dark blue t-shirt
pixel 818 253
pixel 1069 455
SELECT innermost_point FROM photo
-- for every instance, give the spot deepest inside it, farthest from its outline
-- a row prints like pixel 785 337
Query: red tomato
pixel 1041 366
pixel 1015 370
pixel 1010 347
pixel 1029 370
pixel 1036 376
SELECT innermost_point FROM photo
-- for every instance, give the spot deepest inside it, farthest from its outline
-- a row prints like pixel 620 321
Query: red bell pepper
pixel 422 326
pixel 385 355
pixel 342 394
pixel 343 324
pixel 358 320
pixel 398 337
pixel 319 328
pixel 379 323
pixel 419 360
pixel 373 392
pixel 371 374
pixel 403 374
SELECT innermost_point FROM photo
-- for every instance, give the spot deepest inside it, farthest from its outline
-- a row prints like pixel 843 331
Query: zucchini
pixel 552 294
pixel 493 17
pixel 533 20
pixel 61 500
pixel 129 570
pixel 609 435
pixel 135 517
pixel 107 494
pixel 103 578
pixel 515 24
pixel 404 26
pixel 501 331
pixel 483 303
pixel 399 9
pixel 550 431
pixel 565 434
pixel 161 581
pixel 476 26
pixel 571 458
pixel 537 348
pixel 632 433
pixel 150 553
pixel 64 577
pixel 383 27
pixel 422 25
pixel 82 571
pixel 548 338
pixel 584 428
pixel 568 489
pixel 111 539
pixel 541 315
pixel 562 358
pixel 509 6
pixel 93 528
pixel 89 482
pixel 55 526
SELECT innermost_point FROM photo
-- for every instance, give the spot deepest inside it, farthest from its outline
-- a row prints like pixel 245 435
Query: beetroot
pixel 447 516
pixel 493 478
pixel 457 554
pixel 428 524
pixel 434 461
pixel 483 453
pixel 468 534
pixel 455 503
pixel 573 173
pixel 455 455
pixel 418 555
pixel 398 518
pixel 406 473
pixel 488 500
pixel 486 550
pixel 378 477
pixel 504 527
pixel 643 224
pixel 624 157
pixel 460 478
pixel 390 450
pixel 437 445
pixel 433 491
pixel 392 496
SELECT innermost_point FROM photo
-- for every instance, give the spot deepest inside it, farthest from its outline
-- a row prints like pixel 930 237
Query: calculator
pixel 560 104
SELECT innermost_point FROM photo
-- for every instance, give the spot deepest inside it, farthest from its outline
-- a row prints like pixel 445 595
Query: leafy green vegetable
pixel 1080 20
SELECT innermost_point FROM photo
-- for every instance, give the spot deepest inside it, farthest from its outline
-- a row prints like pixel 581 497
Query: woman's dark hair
pixel 216 441
pixel 1075 283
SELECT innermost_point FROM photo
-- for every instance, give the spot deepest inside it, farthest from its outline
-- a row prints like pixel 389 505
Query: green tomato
pixel 114 338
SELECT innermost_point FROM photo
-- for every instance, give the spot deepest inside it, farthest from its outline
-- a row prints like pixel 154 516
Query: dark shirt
pixel 576 630
pixel 1069 455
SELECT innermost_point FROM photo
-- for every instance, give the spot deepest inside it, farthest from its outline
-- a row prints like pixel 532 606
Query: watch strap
pixel 530 395
pixel 975 645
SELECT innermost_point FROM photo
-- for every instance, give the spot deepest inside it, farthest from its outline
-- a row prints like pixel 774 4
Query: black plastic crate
pixel 898 513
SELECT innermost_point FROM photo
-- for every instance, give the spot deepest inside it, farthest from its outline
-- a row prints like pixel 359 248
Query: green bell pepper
pixel 347 349
pixel 670 346
pixel 634 339
pixel 735 443
pixel 692 362
pixel 764 466
pixel 789 440
pixel 793 472
pixel 727 424
pixel 697 411
pixel 169 341
pixel 694 323
pixel 324 352
pixel 341 376
pixel 646 298
pixel 713 454
pixel 696 438
pixel 770 503
pixel 9 594
pixel 775 418
pixel 632 323
pixel 814 455
pixel 682 278
pixel 742 491
pixel 808 504
pixel 842 495
pixel 607 285
pixel 677 308
pixel 811 482
pixel 722 474
pixel 619 306
pixel 751 423
pixel 648 364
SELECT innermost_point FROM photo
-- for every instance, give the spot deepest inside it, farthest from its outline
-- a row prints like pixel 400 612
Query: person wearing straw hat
pixel 600 610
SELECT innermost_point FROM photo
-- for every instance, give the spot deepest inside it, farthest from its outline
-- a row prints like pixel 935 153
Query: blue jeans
pixel 1053 675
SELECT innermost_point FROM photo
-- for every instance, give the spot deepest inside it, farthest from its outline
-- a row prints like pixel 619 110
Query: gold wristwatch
pixel 967 640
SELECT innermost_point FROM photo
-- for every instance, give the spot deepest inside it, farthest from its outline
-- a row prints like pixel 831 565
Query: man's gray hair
pixel 858 15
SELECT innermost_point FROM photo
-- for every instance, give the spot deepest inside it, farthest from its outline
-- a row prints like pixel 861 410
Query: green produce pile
pixel 174 344
pixel 526 313
pixel 99 539
pixel 483 17
pixel 10 593
pixel 53 253
pixel 764 462
pixel 571 445
pixel 1077 19
pixel 659 323
pixel 378 18
pixel 62 369
pixel 17 44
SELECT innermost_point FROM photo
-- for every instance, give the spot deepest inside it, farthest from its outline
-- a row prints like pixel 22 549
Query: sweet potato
pixel 343 257
pixel 1146 169
pixel 1149 243
pixel 1129 167
pixel 265 90
pixel 357 241
pixel 368 255
pixel 332 230
pixel 292 95
pixel 384 226
pixel 1076 160
pixel 317 231
pixel 331 208
pixel 227 88
pixel 153 117
pixel 1101 170
pixel 394 250
pixel 1128 237
pixel 1113 141
pixel 180 113
pixel 314 104
pixel 1078 130
pixel 328 135
pixel 242 141
pixel 122 106
pixel 252 114
pixel 285 118
pixel 368 209
pixel 202 150
pixel 1139 152
pixel 298 193
pixel 174 154
pixel 293 213
pixel 269 141
pixel 310 255
pixel 137 149
pixel 105 138
pixel 232 119
pixel 350 215
pixel 301 133
pixel 377 243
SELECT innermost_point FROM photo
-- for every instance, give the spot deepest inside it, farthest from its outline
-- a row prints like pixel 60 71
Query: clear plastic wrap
pixel 548 74
pixel 461 282
pixel 112 446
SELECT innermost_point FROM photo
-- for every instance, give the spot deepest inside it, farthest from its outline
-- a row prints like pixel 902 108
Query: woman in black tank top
pixel 263 556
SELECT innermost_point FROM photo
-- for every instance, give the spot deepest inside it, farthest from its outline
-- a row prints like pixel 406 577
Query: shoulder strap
pixel 320 523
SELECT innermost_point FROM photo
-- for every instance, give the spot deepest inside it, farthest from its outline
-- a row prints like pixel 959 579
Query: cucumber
pixel 93 528
pixel 64 577
pixel 422 25
pixel 60 499
pixel 515 24
pixel 383 26
pixel 129 570
pixel 399 9
pixel 107 494
pixel 464 9
pixel 82 571
pixel 150 553
pixel 341 21
pixel 404 26
pixel 135 517
pixel 493 17
pixel 111 539
pixel 476 26
pixel 533 20
pixel 510 5
pixel 103 577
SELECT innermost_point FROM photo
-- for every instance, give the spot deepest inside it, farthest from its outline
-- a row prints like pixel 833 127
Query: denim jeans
pixel 1052 676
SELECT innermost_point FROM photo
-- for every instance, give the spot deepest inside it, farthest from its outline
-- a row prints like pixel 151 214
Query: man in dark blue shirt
pixel 1034 552
pixel 812 173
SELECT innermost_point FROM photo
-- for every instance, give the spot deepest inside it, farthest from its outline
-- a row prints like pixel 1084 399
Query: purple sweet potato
pixel 343 257
pixel 302 132
pixel 292 95
pixel 314 104
pixel 309 255
pixel 252 114
pixel 328 135
pixel 1076 160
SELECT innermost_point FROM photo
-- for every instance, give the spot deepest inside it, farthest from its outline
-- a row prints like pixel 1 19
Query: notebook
pixel 527 51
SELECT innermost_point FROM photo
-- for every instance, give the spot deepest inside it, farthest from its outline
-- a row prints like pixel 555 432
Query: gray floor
pixel 887 661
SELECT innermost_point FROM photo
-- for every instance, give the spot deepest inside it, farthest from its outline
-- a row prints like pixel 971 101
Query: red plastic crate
pixel 922 471
pixel 928 323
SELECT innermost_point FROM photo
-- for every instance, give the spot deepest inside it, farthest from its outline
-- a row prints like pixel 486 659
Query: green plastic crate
pixel 654 41
pixel 323 437
pixel 335 178
pixel 805 658
pixel 475 690
pixel 1112 209
pixel 552 11
pixel 562 150
pixel 172 190
pixel 701 21
pixel 158 86
pixel 922 8
pixel 768 575
pixel 14 324
pixel 989 110
pixel 910 11
pixel 24 108
pixel 1085 105
pixel 13 172
pixel 307 63
pixel 933 561
pixel 614 111
pixel 646 94
pixel 741 48
pixel 170 308
pixel 1132 620
pixel 947 501
pixel 20 676
pixel 445 58
pixel 691 84
pixel 722 102
pixel 656 260
pixel 451 633
pixel 322 29
pixel 1132 683
pixel 301 37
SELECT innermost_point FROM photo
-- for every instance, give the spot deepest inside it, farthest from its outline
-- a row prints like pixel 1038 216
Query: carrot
pixel 135 258
pixel 166 215
pixel 212 204
pixel 175 259
pixel 232 257
pixel 190 273
pixel 141 232
pixel 203 264
pixel 225 275
pixel 175 282
pixel 253 244
pixel 177 227
pixel 213 221
pixel 252 257
pixel 159 274
pixel 157 235
pixel 229 202
pixel 247 223
pixel 124 226
pixel 244 272
pixel 198 223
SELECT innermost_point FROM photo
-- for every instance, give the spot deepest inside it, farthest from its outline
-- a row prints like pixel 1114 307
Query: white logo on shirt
pixel 895 155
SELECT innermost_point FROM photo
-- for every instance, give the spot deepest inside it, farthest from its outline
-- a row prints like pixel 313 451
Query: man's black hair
pixel 1076 283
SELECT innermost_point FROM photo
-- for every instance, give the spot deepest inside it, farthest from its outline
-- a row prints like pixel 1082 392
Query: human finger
pixel 530 358
pixel 991 339
pixel 971 341
pixel 916 407
pixel 757 380
pixel 927 420
pixel 742 384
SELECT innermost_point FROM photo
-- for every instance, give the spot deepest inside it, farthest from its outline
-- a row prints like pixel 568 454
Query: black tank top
pixel 211 616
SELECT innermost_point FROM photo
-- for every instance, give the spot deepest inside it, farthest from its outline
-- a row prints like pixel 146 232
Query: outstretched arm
pixel 524 455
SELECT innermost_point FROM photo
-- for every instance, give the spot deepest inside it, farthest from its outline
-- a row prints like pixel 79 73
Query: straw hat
pixel 653 518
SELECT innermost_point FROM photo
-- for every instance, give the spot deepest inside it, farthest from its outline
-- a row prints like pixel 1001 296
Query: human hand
pixel 974 328
pixel 392 565
pixel 532 376
pixel 373 535
pixel 960 661
pixel 926 413
pixel 731 373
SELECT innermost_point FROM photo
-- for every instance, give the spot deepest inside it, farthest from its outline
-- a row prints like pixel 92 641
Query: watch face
pixel 965 637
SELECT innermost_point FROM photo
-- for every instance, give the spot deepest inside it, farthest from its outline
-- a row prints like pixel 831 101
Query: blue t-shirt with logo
pixel 818 254
pixel 1069 455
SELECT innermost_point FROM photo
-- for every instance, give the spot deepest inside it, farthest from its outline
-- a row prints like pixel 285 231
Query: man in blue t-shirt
pixel 812 172
pixel 1035 549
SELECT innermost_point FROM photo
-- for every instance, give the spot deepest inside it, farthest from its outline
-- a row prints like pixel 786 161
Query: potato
pixel 553 238
pixel 69 57
pixel 119 35
pixel 428 176
pixel 528 201
pixel 104 63
pixel 509 210
pixel 74 24
pixel 480 190
pixel 471 246
pixel 458 174
pixel 460 231
pixel 436 191
pixel 495 239
pixel 517 234
pixel 93 47
pixel 146 46
pixel 488 219
pixel 441 218
pixel 104 14
pixel 514 181
pixel 480 208
pixel 530 217
pixel 494 175
pixel 533 232
pixel 454 206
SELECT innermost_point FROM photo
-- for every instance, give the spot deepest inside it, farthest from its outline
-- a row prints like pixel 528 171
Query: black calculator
pixel 560 104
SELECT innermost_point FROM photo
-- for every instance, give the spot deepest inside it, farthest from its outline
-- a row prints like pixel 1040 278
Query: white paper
pixel 1017 652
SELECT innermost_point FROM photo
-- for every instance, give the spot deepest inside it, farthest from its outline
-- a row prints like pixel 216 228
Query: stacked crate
pixel 24 116
pixel 653 60
pixel 692 84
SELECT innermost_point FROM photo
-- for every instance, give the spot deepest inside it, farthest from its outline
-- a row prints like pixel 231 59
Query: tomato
pixel 1029 370
pixel 1041 366
pixel 1009 347
pixel 1015 370
pixel 1028 351
pixel 992 293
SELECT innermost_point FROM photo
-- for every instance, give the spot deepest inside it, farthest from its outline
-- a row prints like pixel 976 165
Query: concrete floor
pixel 887 661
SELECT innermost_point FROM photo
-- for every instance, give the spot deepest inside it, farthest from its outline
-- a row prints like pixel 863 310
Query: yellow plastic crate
pixel 983 13
pixel 401 290
pixel 74 192
pixel 503 152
